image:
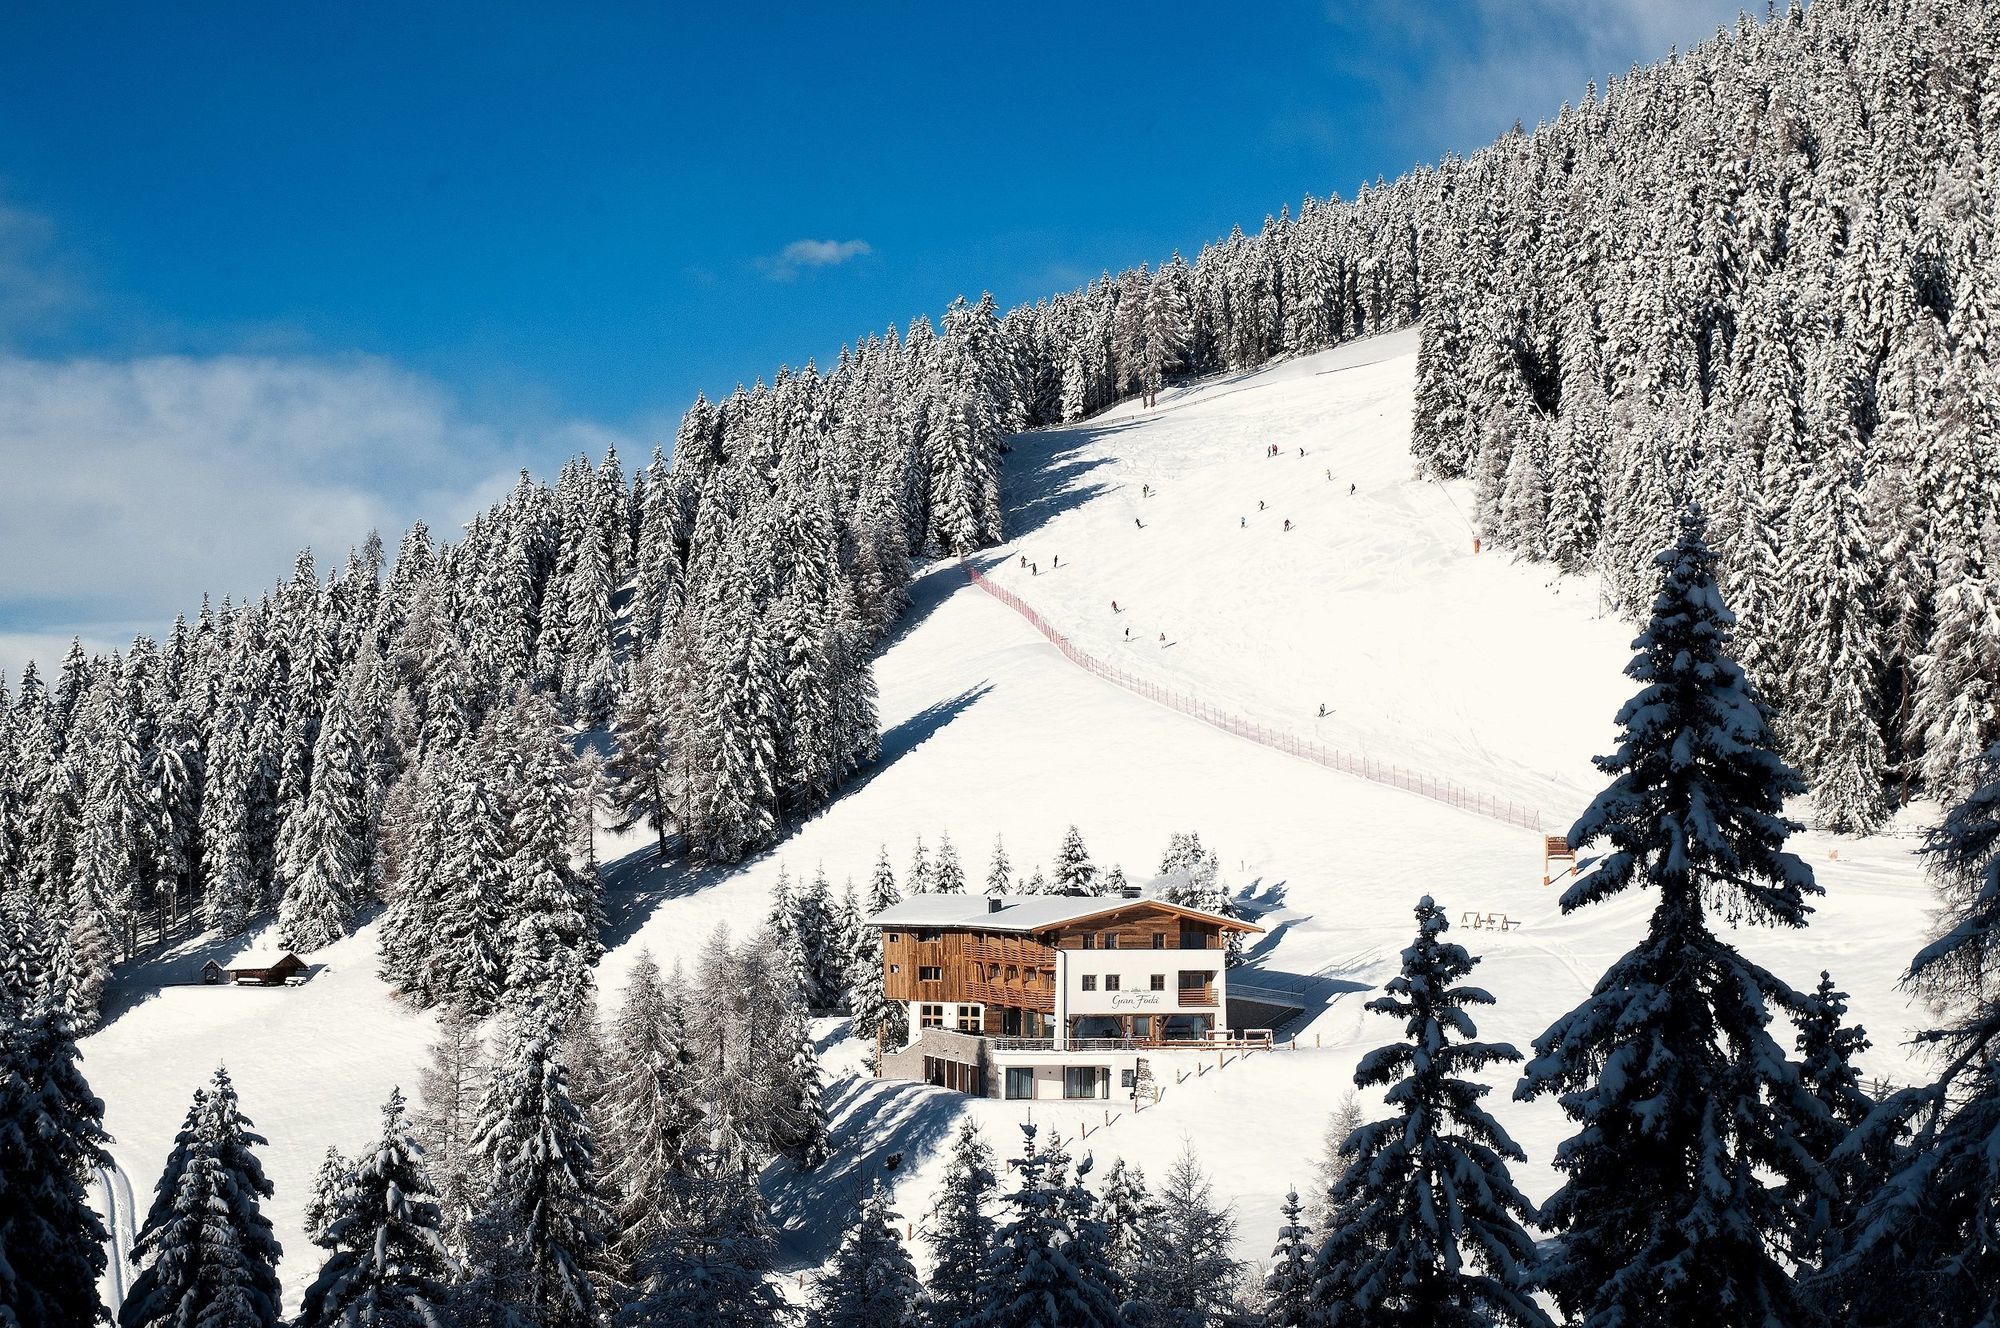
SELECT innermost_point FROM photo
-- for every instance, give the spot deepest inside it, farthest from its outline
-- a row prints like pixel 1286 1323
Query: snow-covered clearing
pixel 1496 674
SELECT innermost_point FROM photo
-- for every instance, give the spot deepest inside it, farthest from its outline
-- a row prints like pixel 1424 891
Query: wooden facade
pixel 1012 977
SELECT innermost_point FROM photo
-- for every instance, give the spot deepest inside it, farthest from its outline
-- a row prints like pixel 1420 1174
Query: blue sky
pixel 270 271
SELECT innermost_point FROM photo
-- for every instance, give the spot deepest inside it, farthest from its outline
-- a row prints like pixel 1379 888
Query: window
pixel 1020 1082
pixel 893 937
pixel 969 1020
pixel 930 936
pixel 1192 939
pixel 1159 940
pixel 1111 982
pixel 1089 941
pixel 1194 981
pixel 1128 1079
pixel 1158 981
pixel 1086 1081
pixel 895 968
pixel 1111 940
pixel 930 1016
pixel 930 973
pixel 1090 982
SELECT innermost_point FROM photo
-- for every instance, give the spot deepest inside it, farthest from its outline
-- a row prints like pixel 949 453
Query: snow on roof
pixel 1025 913
pixel 270 960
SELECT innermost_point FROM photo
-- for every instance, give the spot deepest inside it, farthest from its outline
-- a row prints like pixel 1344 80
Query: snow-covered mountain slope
pixel 1496 674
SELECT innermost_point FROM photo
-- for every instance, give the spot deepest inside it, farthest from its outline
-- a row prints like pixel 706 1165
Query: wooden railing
pixel 1020 997
pixel 1197 995
pixel 1021 954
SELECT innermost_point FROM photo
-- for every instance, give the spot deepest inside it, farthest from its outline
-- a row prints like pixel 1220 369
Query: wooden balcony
pixel 1021 954
pixel 1197 996
pixel 1020 997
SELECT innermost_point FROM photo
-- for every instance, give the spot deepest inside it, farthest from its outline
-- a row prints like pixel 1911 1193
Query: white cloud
pixel 1459 77
pixel 799 254
pixel 128 488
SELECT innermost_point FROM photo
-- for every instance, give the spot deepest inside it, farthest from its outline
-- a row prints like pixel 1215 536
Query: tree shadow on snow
pixel 178 961
pixel 1047 475
pixel 869 1123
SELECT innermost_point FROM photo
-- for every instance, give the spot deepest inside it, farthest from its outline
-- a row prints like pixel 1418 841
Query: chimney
pixel 994 903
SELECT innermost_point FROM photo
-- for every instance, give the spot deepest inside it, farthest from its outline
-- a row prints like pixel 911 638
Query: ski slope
pixel 1499 675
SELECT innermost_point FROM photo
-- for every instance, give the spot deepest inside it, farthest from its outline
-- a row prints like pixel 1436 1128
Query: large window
pixel 1020 1081
pixel 1086 1081
pixel 969 1019
pixel 930 1016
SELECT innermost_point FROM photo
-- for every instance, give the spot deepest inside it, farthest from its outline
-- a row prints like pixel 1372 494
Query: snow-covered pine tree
pixel 323 855
pixel 1127 1211
pixel 651 1116
pixel 947 876
pixel 51 1241
pixel 1827 1045
pixel 1047 1264
pixel 1288 1286
pixel 1075 874
pixel 557 916
pixel 542 1214
pixel 919 879
pixel 1685 1103
pixel 328 1183
pixel 1000 873
pixel 205 1251
pixel 1185 1275
pixel 1430 1224
pixel 870 1282
pixel 712 1267
pixel 1924 1248
pixel 882 891
pixel 642 752
pixel 959 1232
pixel 389 1266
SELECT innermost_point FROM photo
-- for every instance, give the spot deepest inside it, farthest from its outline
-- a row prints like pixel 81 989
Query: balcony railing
pixel 1022 954
pixel 1197 995
pixel 1019 997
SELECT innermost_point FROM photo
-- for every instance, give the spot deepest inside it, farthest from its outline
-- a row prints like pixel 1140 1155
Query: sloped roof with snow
pixel 1027 913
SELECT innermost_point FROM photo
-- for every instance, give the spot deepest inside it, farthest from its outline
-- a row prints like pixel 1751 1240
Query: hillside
pixel 1495 674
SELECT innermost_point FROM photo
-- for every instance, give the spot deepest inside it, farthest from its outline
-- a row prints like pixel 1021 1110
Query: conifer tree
pixel 650 1113
pixel 959 1231
pixel 205 1250
pixel 1000 875
pixel 1047 1264
pixel 1923 1248
pixel 542 1211
pixel 328 1183
pixel 947 877
pixel 1430 1224
pixel 1128 1212
pixel 389 1266
pixel 324 862
pixel 1075 874
pixel 51 1135
pixel 1827 1045
pixel 1184 1275
pixel 882 891
pixel 1288 1286
pixel 870 1282
pixel 711 1268
pixel 1684 1101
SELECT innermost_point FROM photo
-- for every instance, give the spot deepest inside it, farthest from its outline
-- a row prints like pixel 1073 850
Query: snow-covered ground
pixel 1495 674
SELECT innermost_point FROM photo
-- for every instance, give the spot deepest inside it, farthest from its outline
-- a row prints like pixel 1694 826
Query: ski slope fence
pixel 1504 810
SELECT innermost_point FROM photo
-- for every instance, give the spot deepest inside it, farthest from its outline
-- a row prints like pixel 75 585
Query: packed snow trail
pixel 114 1194
pixel 1504 810
pixel 1484 671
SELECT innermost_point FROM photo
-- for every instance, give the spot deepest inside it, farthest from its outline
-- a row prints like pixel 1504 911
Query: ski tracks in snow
pixel 114 1194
